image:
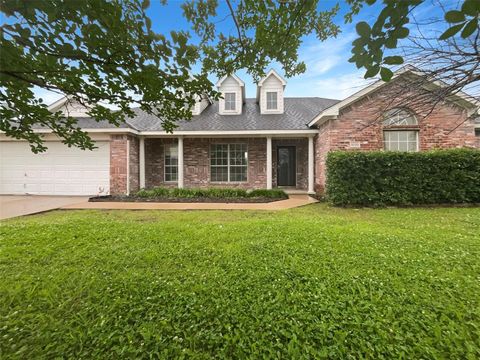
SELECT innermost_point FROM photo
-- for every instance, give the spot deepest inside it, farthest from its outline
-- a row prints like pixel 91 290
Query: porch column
pixel 142 162
pixel 311 165
pixel 180 162
pixel 269 162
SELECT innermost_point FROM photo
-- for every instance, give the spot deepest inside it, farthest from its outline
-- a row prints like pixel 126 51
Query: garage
pixel 58 171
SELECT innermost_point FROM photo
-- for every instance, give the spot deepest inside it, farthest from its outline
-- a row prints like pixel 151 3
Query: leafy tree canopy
pixel 106 51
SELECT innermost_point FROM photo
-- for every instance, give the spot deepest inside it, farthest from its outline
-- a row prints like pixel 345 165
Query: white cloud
pixel 321 57
pixel 340 87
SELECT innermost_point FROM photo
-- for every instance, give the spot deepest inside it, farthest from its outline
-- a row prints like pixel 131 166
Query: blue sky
pixel 329 74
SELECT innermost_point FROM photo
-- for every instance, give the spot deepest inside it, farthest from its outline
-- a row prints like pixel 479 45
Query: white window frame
pixel 165 166
pixel 269 102
pixel 385 142
pixel 228 164
pixel 234 93
pixel 394 115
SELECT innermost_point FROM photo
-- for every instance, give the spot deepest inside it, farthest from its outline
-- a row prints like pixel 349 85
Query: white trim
pixel 333 111
pixel 391 130
pixel 235 132
pixel 269 162
pixel 261 133
pixel 58 103
pixel 142 162
pixel 276 101
pixel 274 73
pixel 228 144
pixel 234 76
pixel 180 163
pixel 311 163
pixel 234 110
pixel 128 167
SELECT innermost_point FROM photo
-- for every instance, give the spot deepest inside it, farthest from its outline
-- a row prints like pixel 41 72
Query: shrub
pixel 271 194
pixel 211 193
pixel 396 178
pixel 227 193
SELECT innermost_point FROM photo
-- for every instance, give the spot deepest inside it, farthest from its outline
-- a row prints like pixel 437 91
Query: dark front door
pixel 286 166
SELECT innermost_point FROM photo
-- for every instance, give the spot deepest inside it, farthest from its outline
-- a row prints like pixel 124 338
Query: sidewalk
pixel 292 202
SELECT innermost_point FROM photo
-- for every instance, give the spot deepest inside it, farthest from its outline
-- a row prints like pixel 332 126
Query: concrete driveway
pixel 18 205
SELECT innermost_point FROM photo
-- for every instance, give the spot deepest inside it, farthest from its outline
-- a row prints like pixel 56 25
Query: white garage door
pixel 59 171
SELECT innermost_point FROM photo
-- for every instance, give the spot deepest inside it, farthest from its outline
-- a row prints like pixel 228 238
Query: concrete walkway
pixel 292 202
pixel 19 205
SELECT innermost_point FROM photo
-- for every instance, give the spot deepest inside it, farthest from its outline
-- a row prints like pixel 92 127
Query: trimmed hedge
pixel 380 178
pixel 217 193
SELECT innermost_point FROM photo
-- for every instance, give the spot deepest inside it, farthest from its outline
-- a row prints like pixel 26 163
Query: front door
pixel 286 166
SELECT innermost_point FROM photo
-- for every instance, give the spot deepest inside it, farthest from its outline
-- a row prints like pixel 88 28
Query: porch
pixel 260 162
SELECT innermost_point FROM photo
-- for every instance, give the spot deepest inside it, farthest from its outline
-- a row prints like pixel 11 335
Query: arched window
pixel 399 117
pixel 395 136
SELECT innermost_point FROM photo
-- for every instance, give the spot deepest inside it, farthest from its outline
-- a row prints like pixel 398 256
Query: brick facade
pixel 197 162
pixel 118 163
pixel 359 127
pixel 154 160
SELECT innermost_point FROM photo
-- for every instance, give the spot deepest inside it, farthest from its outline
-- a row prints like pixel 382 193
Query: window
pixel 171 162
pixel 401 140
pixel 477 132
pixel 396 139
pixel 228 163
pixel 272 101
pixel 399 117
pixel 230 103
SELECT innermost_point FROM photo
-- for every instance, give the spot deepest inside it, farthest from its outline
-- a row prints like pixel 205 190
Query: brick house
pixel 267 142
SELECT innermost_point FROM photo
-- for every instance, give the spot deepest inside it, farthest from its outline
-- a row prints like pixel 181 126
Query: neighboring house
pixel 267 142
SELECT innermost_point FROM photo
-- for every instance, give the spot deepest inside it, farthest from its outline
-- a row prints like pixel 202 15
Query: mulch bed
pixel 114 198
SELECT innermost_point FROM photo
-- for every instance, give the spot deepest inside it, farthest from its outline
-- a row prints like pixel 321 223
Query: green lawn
pixel 310 282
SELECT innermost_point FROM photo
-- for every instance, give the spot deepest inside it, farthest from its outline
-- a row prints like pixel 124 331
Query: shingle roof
pixel 298 113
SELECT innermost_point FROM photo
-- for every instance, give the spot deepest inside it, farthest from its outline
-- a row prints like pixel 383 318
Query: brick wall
pixel 196 158
pixel 197 163
pixel 134 164
pixel 154 160
pixel 358 127
pixel 118 163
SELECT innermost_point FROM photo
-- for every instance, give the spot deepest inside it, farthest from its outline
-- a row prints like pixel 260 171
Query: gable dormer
pixel 270 91
pixel 201 102
pixel 232 89
pixel 70 107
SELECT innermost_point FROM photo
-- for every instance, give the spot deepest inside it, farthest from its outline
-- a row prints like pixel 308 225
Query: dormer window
pixel 270 92
pixel 230 101
pixel 232 89
pixel 272 102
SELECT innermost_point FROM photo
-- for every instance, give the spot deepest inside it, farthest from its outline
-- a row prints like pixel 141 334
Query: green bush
pixel 382 178
pixel 210 193
pixel 271 194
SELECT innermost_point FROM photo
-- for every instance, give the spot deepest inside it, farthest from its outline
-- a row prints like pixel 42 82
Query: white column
pixel 311 165
pixel 128 167
pixel 269 162
pixel 180 162
pixel 142 162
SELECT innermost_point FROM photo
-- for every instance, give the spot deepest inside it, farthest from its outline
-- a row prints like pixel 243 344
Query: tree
pixel 443 48
pixel 451 55
pixel 106 51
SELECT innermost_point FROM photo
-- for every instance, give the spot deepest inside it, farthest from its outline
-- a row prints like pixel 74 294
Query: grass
pixel 312 282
